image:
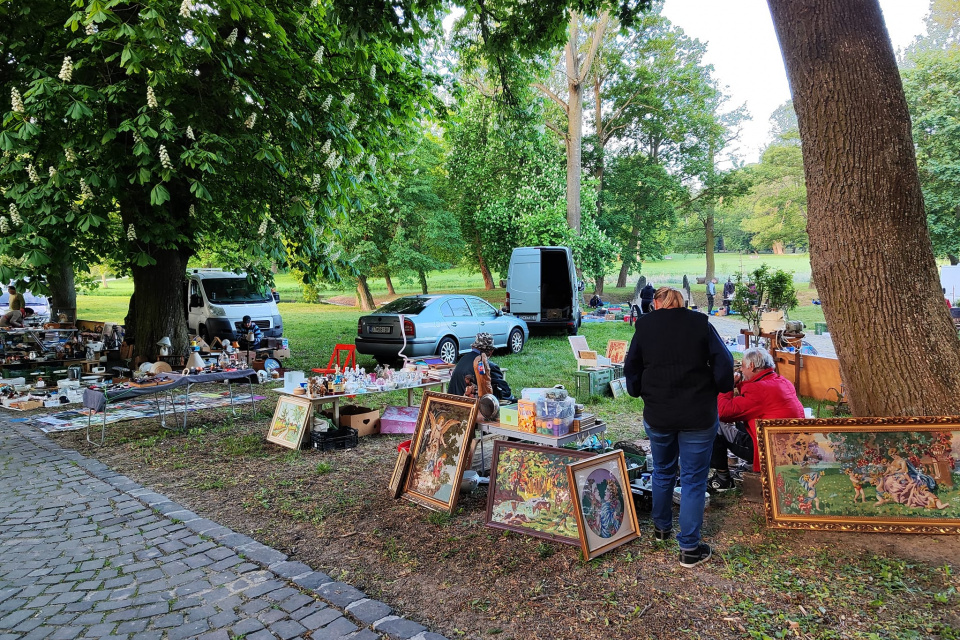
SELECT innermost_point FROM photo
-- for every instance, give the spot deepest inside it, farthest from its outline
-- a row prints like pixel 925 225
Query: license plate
pixel 528 316
pixel 381 329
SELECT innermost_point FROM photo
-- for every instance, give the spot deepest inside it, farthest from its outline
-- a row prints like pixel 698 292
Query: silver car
pixel 441 325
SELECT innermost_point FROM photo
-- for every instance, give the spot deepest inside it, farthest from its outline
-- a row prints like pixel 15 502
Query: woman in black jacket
pixel 678 365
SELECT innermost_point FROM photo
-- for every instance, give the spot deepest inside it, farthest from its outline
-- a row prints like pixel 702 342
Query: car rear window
pixel 406 306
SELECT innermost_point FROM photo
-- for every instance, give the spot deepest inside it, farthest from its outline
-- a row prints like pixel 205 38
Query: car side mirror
pixel 503 284
pixel 195 301
pixel 498 312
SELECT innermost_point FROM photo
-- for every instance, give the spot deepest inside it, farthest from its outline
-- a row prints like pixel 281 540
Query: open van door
pixel 524 279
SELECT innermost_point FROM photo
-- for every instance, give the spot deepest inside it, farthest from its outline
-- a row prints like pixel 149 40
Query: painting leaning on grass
pixel 862 474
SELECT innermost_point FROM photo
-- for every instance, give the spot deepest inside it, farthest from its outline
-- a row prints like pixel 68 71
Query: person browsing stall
pixel 760 394
pixel 13 319
pixel 17 302
pixel 678 364
pixel 711 294
pixel 476 375
pixel 246 327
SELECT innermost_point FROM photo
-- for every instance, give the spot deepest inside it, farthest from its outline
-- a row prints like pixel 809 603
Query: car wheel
pixel 447 350
pixel 515 341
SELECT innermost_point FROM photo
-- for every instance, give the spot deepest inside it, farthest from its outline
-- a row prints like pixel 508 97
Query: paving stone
pixel 363 634
pixel 333 631
pixel 402 628
pixel 340 594
pixel 246 626
pixel 312 580
pixel 295 602
pixel 320 618
pixel 169 620
pixel 369 611
pixel 188 630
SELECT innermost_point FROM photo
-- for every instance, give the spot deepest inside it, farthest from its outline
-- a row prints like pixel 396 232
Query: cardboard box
pixel 526 416
pixel 399 419
pixel 281 353
pixel 365 420
pixel 509 415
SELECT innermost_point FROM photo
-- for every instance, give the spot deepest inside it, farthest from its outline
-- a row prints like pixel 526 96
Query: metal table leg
pixel 103 427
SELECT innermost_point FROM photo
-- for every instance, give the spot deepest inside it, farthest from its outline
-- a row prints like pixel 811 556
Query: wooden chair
pixel 350 360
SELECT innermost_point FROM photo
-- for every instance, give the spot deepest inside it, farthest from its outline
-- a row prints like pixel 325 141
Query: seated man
pixel 246 327
pixel 759 393
pixel 14 318
pixel 595 301
pixel 475 375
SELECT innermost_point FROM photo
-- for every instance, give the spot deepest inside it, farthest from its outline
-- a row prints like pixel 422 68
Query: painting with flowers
pixel 868 474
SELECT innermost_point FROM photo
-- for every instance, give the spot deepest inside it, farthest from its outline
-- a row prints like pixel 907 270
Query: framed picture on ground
pixel 618 387
pixel 891 475
pixel 602 502
pixel 438 452
pixel 399 474
pixel 617 351
pixel 289 422
pixel 530 492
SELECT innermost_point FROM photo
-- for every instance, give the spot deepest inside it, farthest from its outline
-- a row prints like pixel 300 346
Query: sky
pixel 742 46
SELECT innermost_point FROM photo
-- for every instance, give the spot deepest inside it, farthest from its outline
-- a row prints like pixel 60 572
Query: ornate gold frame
pixel 766 428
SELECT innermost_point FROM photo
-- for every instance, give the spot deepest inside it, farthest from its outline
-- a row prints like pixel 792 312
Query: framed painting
pixel 617 351
pixel 892 475
pixel 618 387
pixel 399 474
pixel 289 422
pixel 439 451
pixel 530 491
pixel 603 503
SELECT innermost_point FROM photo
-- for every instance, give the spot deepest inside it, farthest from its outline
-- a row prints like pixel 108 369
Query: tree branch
pixel 550 94
pixel 598 29
pixel 556 129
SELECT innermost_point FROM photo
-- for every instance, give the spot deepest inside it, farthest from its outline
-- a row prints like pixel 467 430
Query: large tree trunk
pixel 485 272
pixel 867 227
pixel 390 289
pixel 629 256
pixel 574 123
pixel 422 275
pixel 598 285
pixel 63 290
pixel 364 297
pixel 710 233
pixel 160 304
pixel 624 272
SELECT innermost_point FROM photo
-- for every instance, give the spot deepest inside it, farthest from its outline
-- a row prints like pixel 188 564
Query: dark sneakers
pixel 661 534
pixel 693 557
pixel 716 484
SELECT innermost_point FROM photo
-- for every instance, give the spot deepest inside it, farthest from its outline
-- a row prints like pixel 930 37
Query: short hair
pixel 669 298
pixel 245 320
pixel 27 311
pixel 12 288
pixel 758 358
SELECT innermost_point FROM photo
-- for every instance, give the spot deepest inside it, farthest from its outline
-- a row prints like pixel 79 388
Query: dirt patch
pixel 463 579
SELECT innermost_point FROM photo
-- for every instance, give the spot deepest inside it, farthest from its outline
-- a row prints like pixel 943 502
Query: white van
pixel 542 288
pixel 217 300
pixel 950 282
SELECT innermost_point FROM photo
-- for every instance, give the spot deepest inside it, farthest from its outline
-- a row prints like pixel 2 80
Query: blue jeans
pixel 693 448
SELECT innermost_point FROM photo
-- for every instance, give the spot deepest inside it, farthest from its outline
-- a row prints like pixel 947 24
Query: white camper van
pixel 950 282
pixel 542 288
pixel 217 300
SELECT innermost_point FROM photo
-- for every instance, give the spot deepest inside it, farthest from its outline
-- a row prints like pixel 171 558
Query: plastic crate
pixel 594 383
pixel 344 438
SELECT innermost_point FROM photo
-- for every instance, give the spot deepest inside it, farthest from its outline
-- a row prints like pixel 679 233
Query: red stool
pixel 350 361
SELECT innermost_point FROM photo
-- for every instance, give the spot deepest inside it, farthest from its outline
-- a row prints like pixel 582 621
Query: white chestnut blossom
pixel 315 184
pixel 193 211
pixel 190 132
pixel 90 29
pixel 15 215
pixel 373 72
pixel 318 56
pixel 32 174
pixel 52 171
pixel 185 8
pixel 137 138
pixel 16 100
pixel 372 161
pixel 71 156
pixel 4 225
pixel 326 147
pixel 333 160
pixel 231 39
pixel 131 233
pixel 66 70
pixel 263 227
pixel 151 98
pixel 165 158
pixel 85 192
pixel 347 100
pixel 352 123
pixel 303 93
pixel 251 121
pixel 326 103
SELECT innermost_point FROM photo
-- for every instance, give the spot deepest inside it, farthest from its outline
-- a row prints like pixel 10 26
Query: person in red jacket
pixel 760 393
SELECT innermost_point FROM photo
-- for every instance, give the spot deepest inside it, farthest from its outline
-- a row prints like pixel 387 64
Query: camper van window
pixel 234 291
pixel 481 308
